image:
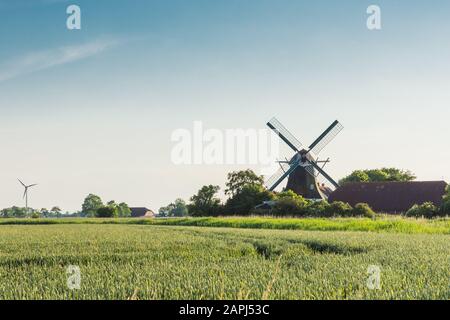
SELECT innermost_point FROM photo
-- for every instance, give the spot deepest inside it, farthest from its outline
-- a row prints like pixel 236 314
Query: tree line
pixel 379 175
pixel 21 212
pixel 245 193
pixel 92 207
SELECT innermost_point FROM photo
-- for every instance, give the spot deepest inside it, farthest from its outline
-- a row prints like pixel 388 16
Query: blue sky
pixel 92 110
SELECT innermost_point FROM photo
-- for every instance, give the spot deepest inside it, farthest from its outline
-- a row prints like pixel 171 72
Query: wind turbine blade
pixel 32 185
pixel 25 193
pixel 22 183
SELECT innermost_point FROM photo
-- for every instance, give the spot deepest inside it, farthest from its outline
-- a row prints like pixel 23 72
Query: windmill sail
pixel 324 174
pixel 284 134
pixel 280 175
pixel 310 170
pixel 302 169
pixel 325 138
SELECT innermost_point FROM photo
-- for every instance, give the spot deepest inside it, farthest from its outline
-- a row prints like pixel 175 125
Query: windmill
pixel 25 193
pixel 304 167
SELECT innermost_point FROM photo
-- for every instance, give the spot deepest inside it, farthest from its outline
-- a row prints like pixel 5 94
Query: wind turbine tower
pixel 25 193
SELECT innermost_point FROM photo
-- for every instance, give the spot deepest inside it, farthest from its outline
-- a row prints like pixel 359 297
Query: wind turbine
pixel 25 193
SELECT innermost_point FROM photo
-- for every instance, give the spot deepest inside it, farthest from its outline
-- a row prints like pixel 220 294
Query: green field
pixel 381 224
pixel 172 262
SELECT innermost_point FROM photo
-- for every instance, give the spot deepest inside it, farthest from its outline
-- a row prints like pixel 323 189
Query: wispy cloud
pixel 41 60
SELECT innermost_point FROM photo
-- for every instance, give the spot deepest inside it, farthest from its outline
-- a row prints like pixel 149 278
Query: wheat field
pixel 173 262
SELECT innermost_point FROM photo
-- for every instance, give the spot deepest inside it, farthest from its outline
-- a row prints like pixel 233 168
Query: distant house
pixel 141 212
pixel 391 197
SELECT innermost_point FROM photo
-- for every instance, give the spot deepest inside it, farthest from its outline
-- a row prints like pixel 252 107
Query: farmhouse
pixel 391 197
pixel 141 212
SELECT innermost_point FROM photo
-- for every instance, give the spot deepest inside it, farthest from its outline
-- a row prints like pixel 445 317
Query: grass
pixel 171 262
pixel 384 224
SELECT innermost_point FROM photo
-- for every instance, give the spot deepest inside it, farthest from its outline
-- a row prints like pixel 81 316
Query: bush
pixel 261 212
pixel 289 194
pixel 363 210
pixel 425 210
pixel 318 208
pixel 290 207
pixel 288 203
pixel 445 208
pixel 298 206
pixel 340 209
pixel 106 212
pixel 35 215
pixel 244 201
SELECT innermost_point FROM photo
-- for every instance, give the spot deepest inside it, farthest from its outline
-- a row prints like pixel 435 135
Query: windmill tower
pixel 303 169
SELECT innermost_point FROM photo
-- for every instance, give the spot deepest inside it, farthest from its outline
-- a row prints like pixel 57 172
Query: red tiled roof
pixel 391 197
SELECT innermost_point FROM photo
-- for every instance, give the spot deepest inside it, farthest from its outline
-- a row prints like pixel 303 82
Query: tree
pixel 165 211
pixel 44 212
pixel 246 199
pixel 174 209
pixel 180 208
pixel 205 202
pixel 379 175
pixel 425 210
pixel 106 212
pixel 399 175
pixel 445 208
pixel 114 207
pixel 111 204
pixel 238 180
pixel 356 176
pixel 14 212
pixel 124 210
pixel 6 213
pixel 91 204
pixel 56 211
